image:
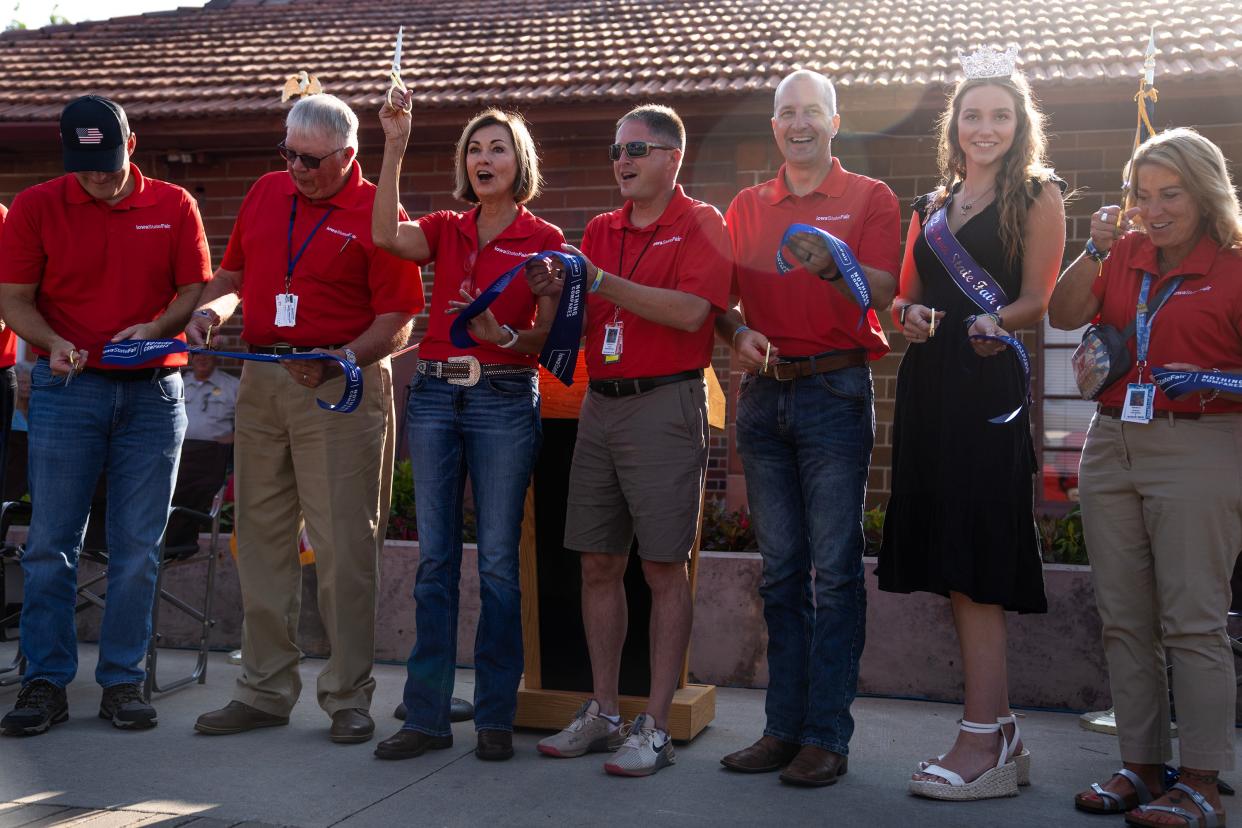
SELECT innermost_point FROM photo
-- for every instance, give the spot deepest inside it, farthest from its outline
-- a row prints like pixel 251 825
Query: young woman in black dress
pixel 959 522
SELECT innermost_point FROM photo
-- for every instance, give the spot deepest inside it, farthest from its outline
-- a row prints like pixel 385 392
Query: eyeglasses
pixel 308 161
pixel 635 149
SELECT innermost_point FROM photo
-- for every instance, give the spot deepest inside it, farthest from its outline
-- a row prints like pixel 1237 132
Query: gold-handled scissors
pixel 931 331
pixel 767 352
pixel 397 85
pixel 73 367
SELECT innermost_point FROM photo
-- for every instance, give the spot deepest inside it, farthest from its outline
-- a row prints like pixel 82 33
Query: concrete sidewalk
pixel 84 772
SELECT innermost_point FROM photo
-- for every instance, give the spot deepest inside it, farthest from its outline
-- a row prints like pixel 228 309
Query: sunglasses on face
pixel 308 161
pixel 634 149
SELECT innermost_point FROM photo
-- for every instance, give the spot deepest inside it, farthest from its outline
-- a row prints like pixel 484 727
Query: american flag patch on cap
pixel 89 135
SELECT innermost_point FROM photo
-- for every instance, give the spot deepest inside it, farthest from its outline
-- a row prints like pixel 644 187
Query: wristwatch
pixel 350 355
pixel 901 315
pixel 513 336
pixel 1094 252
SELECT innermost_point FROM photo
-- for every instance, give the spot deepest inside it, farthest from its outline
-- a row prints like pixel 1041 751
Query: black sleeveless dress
pixel 960 515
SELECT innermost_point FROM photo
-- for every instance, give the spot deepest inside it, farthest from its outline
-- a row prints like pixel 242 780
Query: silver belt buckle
pixel 778 374
pixel 476 371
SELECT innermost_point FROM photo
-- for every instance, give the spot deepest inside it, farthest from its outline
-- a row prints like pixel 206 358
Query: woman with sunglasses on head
pixel 959 522
pixel 1159 482
pixel 471 411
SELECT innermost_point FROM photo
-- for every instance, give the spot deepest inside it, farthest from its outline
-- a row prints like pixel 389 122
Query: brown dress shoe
pixel 764 756
pixel 406 744
pixel 815 767
pixel 351 726
pixel 236 717
pixel 494 745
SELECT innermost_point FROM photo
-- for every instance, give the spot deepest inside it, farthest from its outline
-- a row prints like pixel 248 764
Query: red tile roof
pixel 231 58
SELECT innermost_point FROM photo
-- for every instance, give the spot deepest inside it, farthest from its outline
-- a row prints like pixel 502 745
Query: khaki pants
pixel 1162 514
pixel 296 462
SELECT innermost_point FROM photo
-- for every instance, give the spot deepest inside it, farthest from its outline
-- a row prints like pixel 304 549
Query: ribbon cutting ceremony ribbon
pixel 560 350
pixel 1177 384
pixel 847 264
pixel 1024 360
pixel 138 351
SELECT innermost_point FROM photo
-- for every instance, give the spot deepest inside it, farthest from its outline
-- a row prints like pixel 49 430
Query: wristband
pixel 836 278
pixel 901 314
pixel 513 334
pixel 599 277
pixel 1094 252
pixel 737 331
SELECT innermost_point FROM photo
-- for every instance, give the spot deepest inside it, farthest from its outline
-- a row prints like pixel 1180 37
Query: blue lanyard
pixel 1143 322
pixel 290 258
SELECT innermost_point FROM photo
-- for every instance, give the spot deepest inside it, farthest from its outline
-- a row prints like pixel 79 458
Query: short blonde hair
pixel 1204 173
pixel 527 182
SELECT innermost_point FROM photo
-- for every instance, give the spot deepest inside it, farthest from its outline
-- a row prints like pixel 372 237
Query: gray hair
pixel 325 113
pixel 826 90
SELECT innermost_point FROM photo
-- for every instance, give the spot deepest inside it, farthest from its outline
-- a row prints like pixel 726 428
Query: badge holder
pixel 1139 403
pixel 614 340
pixel 286 310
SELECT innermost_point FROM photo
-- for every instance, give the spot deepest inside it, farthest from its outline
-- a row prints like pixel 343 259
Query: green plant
pixel 1063 538
pixel 727 530
pixel 873 529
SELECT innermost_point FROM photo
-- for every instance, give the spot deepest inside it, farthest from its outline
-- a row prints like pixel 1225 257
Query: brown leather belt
pixel 1114 411
pixel 800 367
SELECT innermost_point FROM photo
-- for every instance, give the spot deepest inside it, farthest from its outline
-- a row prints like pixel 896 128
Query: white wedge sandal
pixel 1000 780
pixel 1021 760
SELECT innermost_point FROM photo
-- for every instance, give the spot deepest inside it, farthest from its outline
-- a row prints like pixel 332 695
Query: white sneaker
pixel 646 750
pixel 589 732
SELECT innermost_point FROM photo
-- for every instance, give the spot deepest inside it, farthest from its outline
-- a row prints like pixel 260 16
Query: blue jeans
pixel 129 431
pixel 492 431
pixel 805 447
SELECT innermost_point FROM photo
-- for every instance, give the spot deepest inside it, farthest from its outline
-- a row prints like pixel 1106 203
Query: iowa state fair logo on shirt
pixel 514 253
pixel 842 217
pixel 669 240
pixel 152 226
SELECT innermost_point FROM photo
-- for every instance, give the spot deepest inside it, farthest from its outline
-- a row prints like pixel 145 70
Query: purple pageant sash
pixel 1177 384
pixel 979 287
pixel 560 349
pixel 139 351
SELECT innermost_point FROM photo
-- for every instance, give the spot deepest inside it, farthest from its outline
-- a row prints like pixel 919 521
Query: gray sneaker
pixel 645 751
pixel 589 732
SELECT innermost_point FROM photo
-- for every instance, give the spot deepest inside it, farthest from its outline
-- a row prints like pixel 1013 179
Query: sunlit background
pixel 36 13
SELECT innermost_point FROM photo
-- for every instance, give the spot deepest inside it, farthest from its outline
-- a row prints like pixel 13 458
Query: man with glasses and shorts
pixel 657 275
pixel 301 260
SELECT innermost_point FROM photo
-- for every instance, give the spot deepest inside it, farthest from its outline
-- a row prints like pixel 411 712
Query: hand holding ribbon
pixel 560 350
pixel 847 265
pixel 134 352
pixel 1178 383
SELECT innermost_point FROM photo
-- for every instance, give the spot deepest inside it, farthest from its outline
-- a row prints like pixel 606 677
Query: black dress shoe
pixel 407 744
pixel 494 745
pixel 815 767
pixel 351 726
pixel 764 756
pixel 236 717
pixel 460 710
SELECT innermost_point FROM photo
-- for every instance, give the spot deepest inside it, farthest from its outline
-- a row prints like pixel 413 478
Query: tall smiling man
pixel 658 273
pixel 805 424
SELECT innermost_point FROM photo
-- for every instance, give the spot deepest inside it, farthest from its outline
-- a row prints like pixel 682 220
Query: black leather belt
pixel 291 349
pixel 132 374
pixel 627 387
pixel 793 368
pixel 1114 411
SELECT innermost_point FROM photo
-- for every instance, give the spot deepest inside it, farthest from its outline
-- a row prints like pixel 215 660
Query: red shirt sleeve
pixel 193 263
pixel 707 269
pixel 24 257
pixel 432 226
pixel 880 245
pixel 396 284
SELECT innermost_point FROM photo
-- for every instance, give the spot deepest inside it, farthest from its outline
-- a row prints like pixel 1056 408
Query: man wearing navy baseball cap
pixel 97 255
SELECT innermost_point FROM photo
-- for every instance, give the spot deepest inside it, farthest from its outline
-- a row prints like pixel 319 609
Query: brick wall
pixel 580 185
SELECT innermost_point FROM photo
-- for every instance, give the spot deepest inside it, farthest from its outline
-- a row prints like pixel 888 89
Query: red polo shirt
pixel 342 281
pixel 8 339
pixel 686 249
pixel 800 313
pixel 102 268
pixel 1200 324
pixel 454 242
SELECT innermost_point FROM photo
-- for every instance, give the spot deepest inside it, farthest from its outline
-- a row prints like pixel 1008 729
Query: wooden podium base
pixel 694 706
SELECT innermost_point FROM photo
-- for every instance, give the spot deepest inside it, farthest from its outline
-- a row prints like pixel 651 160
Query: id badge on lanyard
pixel 614 341
pixel 286 310
pixel 1139 404
pixel 287 302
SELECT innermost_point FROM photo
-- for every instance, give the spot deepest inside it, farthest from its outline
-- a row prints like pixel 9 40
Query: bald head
pixel 826 92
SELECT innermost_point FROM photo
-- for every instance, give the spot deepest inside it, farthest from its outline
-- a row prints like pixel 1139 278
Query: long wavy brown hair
pixel 1025 162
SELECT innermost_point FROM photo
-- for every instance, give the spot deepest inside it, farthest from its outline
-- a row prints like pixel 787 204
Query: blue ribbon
pixel 139 351
pixel 1177 384
pixel 560 349
pixel 977 284
pixel 847 264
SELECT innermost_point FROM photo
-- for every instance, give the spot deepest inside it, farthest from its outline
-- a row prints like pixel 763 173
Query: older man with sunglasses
pixel 302 261
pixel 658 273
